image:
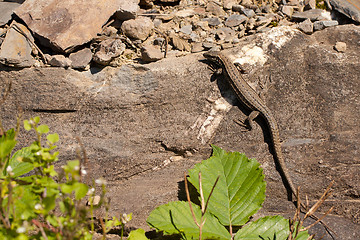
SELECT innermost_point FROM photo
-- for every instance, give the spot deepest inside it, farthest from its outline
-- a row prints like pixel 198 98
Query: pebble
pixel 81 59
pixel 59 61
pixel 139 28
pixel 151 53
pixel 196 47
pixel 340 46
pixel 187 29
pixel 319 25
pixel 213 21
pixel 313 15
pixel 248 12
pixel 306 26
pixel 235 20
pixel 287 10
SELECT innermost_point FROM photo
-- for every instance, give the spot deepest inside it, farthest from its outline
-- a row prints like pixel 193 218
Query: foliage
pixel 238 194
pixel 45 204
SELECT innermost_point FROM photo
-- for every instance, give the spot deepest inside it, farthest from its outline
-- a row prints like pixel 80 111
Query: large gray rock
pixel 349 8
pixel 16 50
pixel 143 126
pixel 6 9
pixel 65 24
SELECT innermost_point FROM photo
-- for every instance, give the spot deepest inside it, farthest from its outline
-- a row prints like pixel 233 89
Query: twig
pixel 189 201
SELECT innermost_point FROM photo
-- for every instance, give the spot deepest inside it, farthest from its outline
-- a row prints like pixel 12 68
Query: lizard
pixel 253 102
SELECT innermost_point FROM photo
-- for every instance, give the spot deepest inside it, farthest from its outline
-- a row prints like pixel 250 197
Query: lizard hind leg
pixel 248 122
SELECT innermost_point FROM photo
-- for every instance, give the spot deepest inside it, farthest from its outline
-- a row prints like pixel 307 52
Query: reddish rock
pixel 65 24
pixel 80 59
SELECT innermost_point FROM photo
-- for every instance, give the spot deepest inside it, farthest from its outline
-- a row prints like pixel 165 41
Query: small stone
pixel 215 9
pixel 109 31
pixel 187 29
pixel 309 4
pixel 60 61
pixel 139 28
pixel 151 53
pixel 319 25
pixel 94 201
pixel 196 47
pixel 235 20
pixel 237 8
pixel 185 13
pixel 226 34
pixel 157 22
pixel 81 59
pixel 287 10
pixel 204 25
pixel 208 45
pixel 226 45
pixel 340 46
pixel 194 37
pixel 227 5
pixel 108 50
pixel 306 26
pixel 214 21
pixel 127 9
pixel 248 12
pixel 159 41
pixel 313 15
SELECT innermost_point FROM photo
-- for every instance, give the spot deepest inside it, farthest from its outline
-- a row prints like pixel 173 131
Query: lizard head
pixel 213 56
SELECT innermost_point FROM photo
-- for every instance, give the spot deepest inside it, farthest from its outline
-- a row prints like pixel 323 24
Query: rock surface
pixel 6 9
pixel 16 50
pixel 143 126
pixel 349 8
pixel 62 24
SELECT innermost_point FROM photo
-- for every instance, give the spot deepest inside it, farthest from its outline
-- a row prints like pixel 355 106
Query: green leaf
pixel 138 234
pixel 43 129
pixel 66 188
pixel 53 138
pixel 27 125
pixel 19 167
pixel 176 218
pixel 240 190
pixel 6 147
pixel 270 227
pixel 81 190
pixel 36 119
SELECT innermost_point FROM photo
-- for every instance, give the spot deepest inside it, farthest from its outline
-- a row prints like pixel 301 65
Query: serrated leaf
pixel 176 218
pixel 270 227
pixel 18 167
pixel 138 234
pixel 240 190
pixel 43 129
pixel 53 138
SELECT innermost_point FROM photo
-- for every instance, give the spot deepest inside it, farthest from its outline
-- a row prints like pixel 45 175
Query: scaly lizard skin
pixel 251 100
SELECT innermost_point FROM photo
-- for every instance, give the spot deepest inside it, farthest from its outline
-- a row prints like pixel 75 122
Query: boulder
pixel 66 24
pixel 6 10
pixel 16 50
